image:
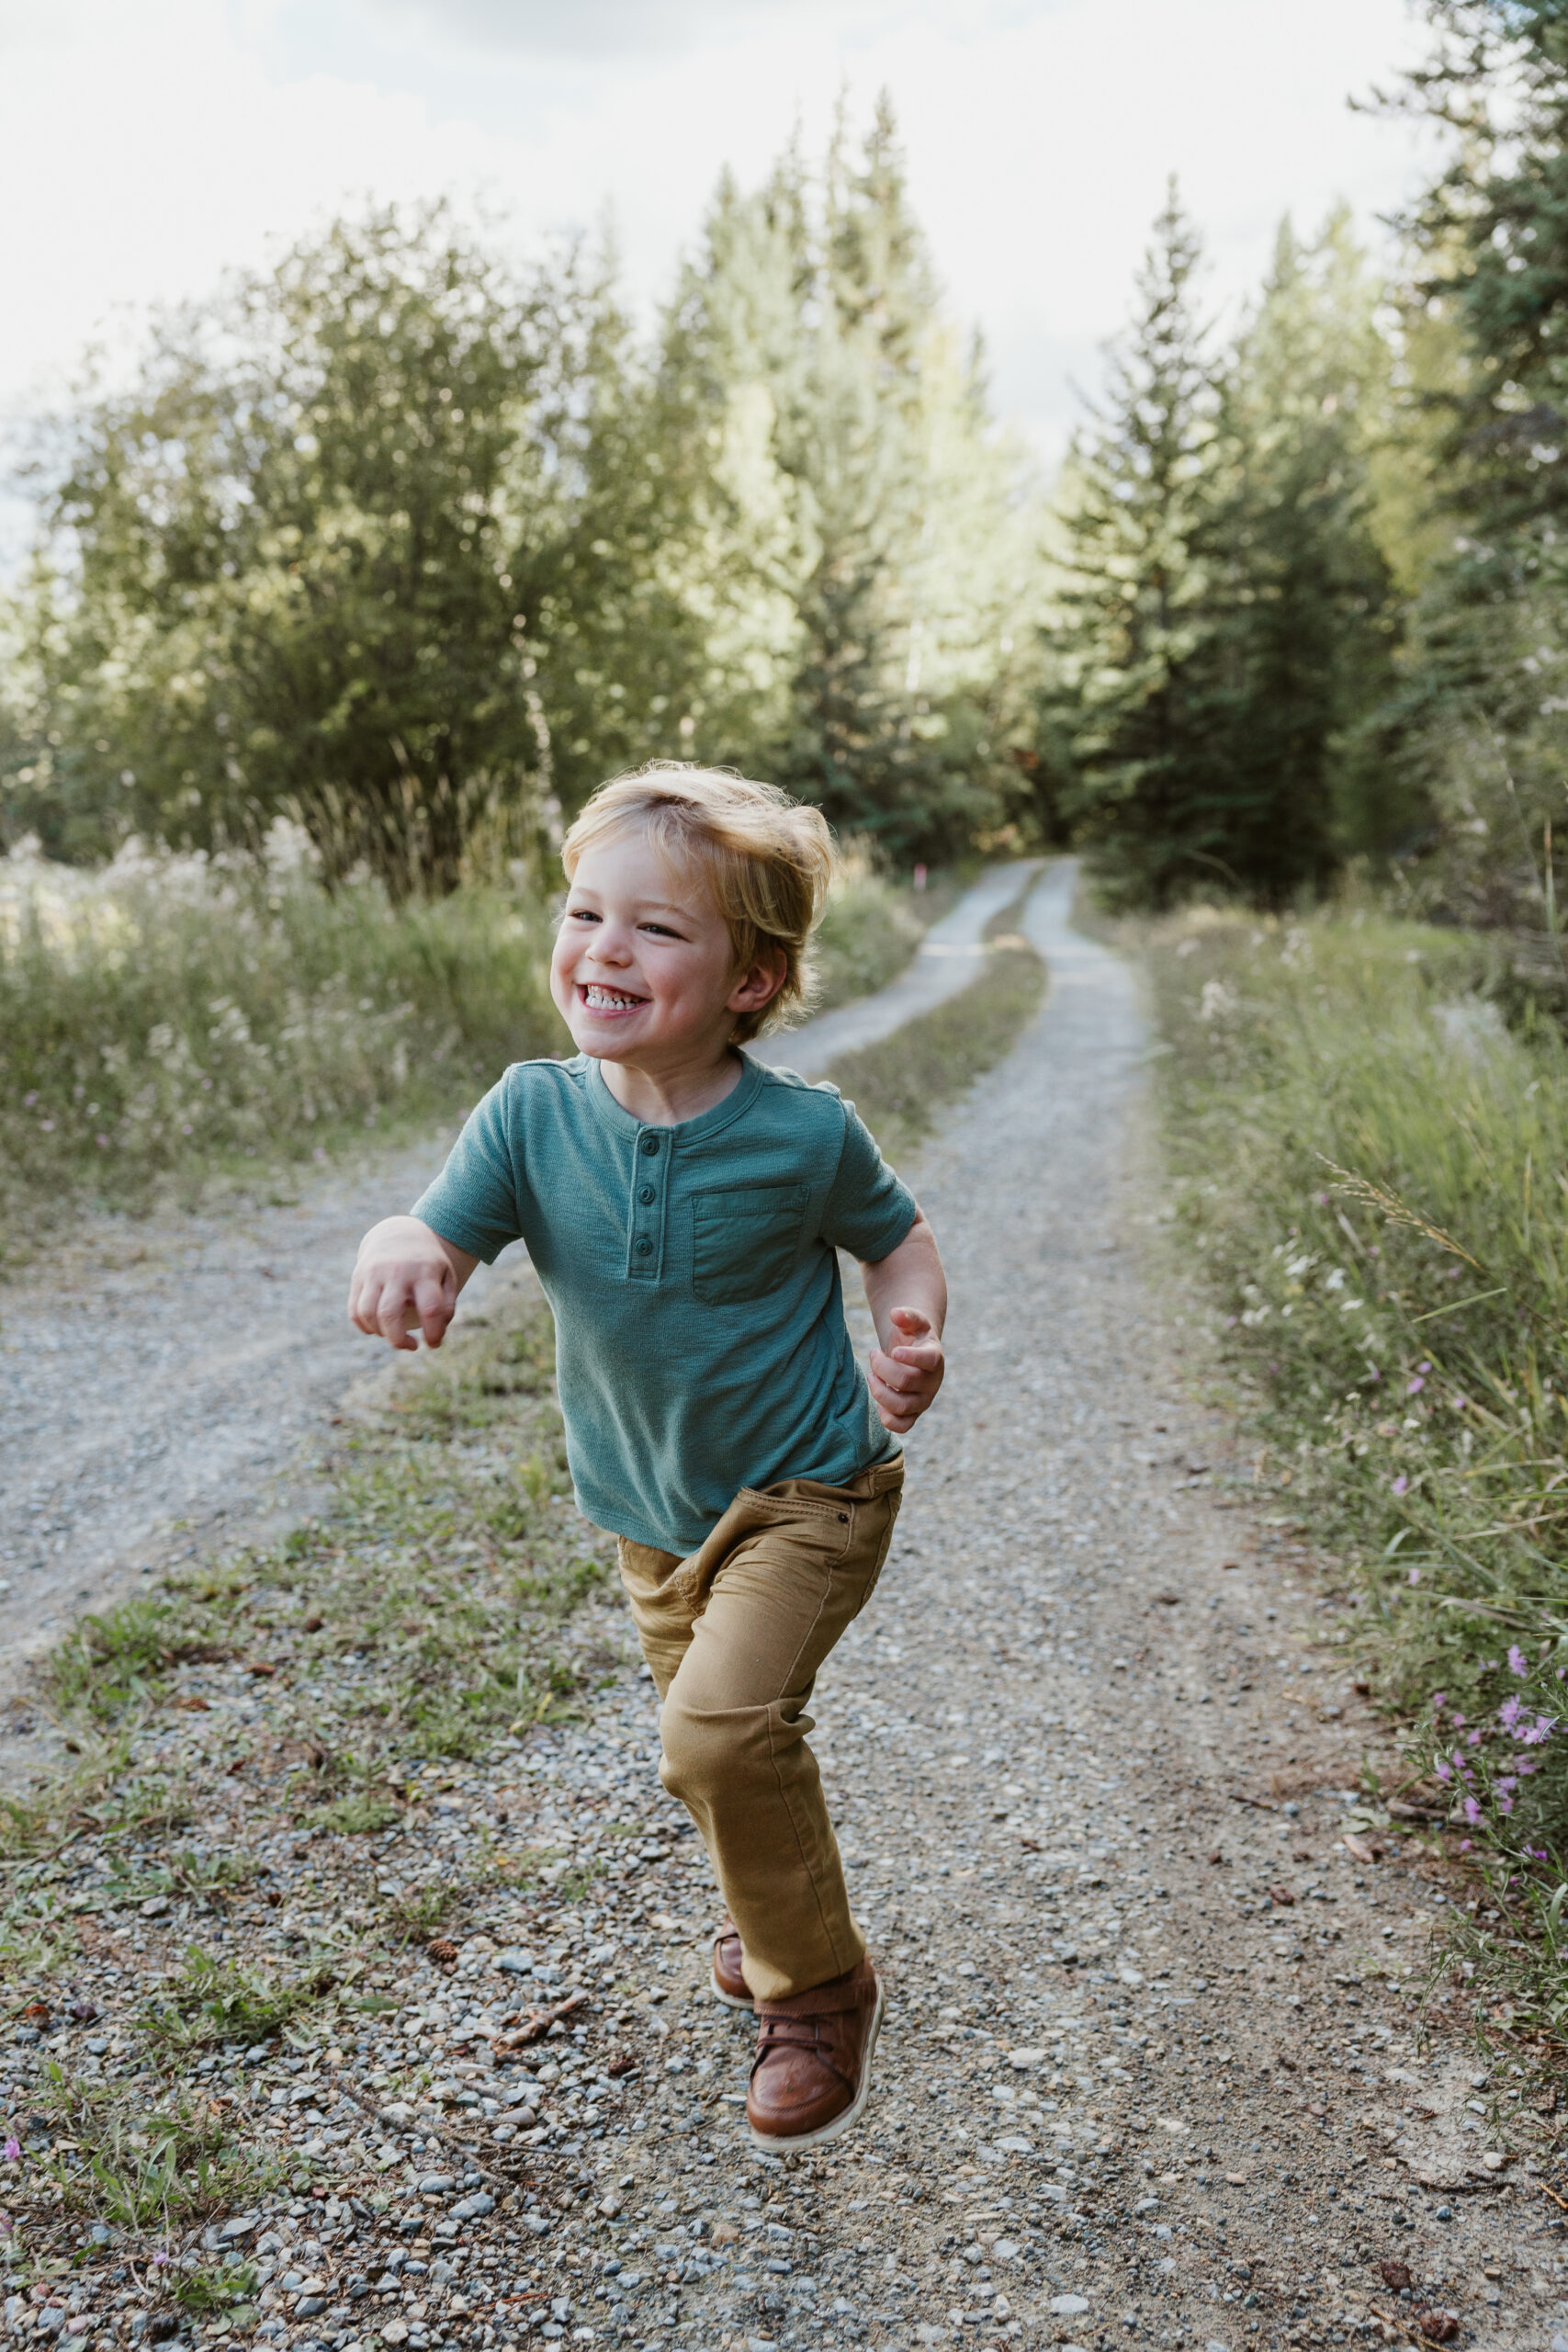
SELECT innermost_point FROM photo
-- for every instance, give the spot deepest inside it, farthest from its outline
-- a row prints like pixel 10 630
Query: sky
pixel 145 148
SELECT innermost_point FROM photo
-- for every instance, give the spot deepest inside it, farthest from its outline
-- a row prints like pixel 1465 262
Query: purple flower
pixel 13 2150
pixel 1471 1811
pixel 1444 1772
pixel 1464 1845
pixel 1459 1403
pixel 1508 1781
pixel 1440 1698
pixel 1474 1740
pixel 1540 1729
pixel 1458 1719
pixel 1401 1483
pixel 1509 1713
pixel 1518 1662
pixel 1505 1804
pixel 1415 1576
pixel 1423 1367
pixel 1413 1387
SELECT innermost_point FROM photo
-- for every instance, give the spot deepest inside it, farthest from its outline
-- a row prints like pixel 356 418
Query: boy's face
pixel 644 966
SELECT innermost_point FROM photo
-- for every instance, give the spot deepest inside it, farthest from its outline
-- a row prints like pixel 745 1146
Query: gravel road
pixel 162 1380
pixel 1153 2072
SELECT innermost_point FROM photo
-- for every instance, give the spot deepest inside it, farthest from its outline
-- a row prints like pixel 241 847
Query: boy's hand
pixel 905 1379
pixel 406 1279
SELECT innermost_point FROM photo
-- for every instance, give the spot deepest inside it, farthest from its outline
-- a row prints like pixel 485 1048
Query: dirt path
pixel 1148 2075
pixel 164 1384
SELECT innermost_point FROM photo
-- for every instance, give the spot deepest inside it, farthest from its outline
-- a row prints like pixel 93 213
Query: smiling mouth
pixel 611 1001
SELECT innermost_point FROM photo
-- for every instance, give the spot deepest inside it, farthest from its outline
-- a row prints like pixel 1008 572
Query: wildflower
pixel 1458 1719
pixel 1401 1483
pixel 1415 1576
pixel 1509 1713
pixel 1413 1387
pixel 1464 1845
pixel 1518 1662
pixel 1440 1698
pixel 1474 1740
pixel 1471 1811
pixel 13 2150
pixel 1444 1772
pixel 1508 1781
pixel 1505 1804
pixel 102 1142
pixel 1423 1367
pixel 1460 1404
pixel 1540 1729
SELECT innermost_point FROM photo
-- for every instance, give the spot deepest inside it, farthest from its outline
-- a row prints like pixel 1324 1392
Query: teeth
pixel 606 1001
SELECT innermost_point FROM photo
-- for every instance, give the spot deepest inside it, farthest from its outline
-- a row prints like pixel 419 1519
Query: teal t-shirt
pixel 700 1337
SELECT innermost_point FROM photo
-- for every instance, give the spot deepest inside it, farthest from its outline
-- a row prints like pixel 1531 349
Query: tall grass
pixel 1373 1165
pixel 169 1016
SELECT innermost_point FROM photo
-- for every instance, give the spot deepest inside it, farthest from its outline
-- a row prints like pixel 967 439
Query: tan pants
pixel 734 1635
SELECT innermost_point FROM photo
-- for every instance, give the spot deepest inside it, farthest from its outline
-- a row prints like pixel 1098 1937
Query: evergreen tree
pixel 1305 616
pixel 864 552
pixel 1132 696
pixel 1483 711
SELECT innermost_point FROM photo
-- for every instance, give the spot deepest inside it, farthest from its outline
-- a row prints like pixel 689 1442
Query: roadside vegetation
pixel 178 1020
pixel 1366 1127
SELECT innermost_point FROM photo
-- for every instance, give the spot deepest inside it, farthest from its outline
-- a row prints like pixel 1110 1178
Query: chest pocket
pixel 744 1242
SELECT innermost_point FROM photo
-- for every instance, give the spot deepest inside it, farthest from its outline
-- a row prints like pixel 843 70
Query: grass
pixel 177 1021
pixel 901 1083
pixel 145 2165
pixel 171 1018
pixel 212 2002
pixel 1367 1127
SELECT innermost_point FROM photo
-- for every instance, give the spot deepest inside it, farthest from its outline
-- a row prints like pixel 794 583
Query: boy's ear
pixel 759 983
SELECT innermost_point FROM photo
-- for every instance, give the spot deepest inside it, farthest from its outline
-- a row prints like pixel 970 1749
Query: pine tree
pixel 1133 691
pixel 864 554
pixel 1305 618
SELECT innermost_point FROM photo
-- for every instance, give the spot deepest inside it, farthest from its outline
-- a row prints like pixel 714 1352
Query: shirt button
pixel 643 1245
pixel 647 1194
pixel 650 1145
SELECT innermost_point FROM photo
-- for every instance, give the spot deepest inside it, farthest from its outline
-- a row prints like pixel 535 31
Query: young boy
pixel 682 1205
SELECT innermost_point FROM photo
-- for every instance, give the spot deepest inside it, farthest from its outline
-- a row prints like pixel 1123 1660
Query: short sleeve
pixel 473 1202
pixel 869 1211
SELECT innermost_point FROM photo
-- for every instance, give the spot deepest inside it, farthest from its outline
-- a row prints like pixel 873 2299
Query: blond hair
pixel 767 859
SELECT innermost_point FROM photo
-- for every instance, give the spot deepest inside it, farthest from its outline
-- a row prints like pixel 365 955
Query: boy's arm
pixel 406 1278
pixel 907 1293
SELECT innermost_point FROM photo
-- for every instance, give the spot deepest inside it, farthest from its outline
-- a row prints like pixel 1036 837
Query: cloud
pixel 604 31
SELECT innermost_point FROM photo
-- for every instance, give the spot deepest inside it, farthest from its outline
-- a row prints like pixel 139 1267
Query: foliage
pixel 1369 1165
pixel 1478 725
pixel 411 545
pixel 1225 616
pixel 169 1013
pixel 212 2002
pixel 868 932
pixel 867 565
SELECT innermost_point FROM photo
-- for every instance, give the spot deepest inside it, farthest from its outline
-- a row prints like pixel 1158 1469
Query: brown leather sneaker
pixel 729 1986
pixel 811 2076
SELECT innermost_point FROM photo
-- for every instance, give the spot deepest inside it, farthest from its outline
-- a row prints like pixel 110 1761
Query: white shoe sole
pixel 730 2000
pixel 840 2123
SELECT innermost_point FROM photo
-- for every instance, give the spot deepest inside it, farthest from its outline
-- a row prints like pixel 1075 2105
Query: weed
pixel 212 2002
pixel 1368 1164
pixel 414 1915
pixel 172 1017
pixel 213 2294
pixel 141 2166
